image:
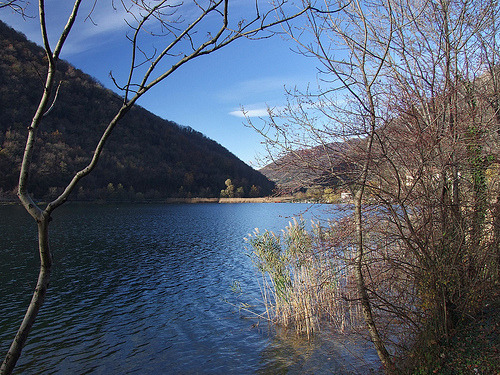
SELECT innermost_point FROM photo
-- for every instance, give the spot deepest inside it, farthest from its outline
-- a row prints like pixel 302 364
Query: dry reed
pixel 304 279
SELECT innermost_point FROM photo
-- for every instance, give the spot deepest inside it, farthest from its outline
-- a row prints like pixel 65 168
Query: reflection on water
pixel 325 352
pixel 145 289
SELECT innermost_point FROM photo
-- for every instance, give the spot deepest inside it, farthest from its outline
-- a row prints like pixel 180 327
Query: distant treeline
pixel 146 157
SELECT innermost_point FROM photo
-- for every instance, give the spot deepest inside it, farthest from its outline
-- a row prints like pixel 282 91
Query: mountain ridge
pixel 146 156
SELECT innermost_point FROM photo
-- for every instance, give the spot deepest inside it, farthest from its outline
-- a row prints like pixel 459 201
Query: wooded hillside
pixel 146 158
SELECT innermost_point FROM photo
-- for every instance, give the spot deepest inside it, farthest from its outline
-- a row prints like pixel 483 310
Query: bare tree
pixel 13 4
pixel 408 107
pixel 182 40
pixel 18 6
pixel 489 92
pixel 352 45
pixel 438 147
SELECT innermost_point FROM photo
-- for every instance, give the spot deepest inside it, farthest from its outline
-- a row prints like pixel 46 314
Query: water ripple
pixel 141 290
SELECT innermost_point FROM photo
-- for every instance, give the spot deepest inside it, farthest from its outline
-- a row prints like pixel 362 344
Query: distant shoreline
pixel 231 200
pixel 284 199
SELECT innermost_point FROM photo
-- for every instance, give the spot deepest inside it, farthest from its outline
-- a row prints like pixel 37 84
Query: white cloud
pixel 255 110
pixel 106 21
pixel 259 112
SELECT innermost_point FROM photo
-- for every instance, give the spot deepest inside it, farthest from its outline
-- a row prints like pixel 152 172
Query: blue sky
pixel 206 94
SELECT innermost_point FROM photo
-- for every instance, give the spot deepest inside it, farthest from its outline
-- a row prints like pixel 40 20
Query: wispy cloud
pixel 104 26
pixel 270 92
pixel 264 94
pixel 255 110
pixel 259 112
pixel 259 87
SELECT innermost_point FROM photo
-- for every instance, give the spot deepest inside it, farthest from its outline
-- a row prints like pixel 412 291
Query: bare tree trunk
pixel 382 352
pixel 36 301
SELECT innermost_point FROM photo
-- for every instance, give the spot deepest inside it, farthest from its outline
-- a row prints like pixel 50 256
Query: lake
pixel 146 289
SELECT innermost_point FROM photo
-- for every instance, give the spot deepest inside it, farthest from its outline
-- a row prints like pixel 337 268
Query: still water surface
pixel 146 289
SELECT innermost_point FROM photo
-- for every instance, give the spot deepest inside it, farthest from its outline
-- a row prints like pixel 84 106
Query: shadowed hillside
pixel 146 157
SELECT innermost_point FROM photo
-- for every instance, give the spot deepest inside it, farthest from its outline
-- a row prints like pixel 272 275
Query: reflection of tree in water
pixel 324 353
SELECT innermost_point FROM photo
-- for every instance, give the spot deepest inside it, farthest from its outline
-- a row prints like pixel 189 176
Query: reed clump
pixel 305 278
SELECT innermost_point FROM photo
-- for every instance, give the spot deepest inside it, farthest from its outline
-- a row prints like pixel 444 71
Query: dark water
pixel 146 289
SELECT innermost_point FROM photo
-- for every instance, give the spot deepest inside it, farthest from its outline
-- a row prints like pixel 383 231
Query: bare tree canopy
pixel 406 118
pixel 18 6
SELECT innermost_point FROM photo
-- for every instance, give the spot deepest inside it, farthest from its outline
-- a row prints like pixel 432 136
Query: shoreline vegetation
pixel 307 284
pixel 305 278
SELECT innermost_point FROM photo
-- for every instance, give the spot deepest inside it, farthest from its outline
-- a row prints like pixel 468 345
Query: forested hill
pixel 146 157
pixel 319 166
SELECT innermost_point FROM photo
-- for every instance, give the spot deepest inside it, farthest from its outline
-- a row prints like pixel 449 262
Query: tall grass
pixel 305 277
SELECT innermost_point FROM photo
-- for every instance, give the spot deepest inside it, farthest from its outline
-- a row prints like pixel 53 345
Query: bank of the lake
pixel 281 199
